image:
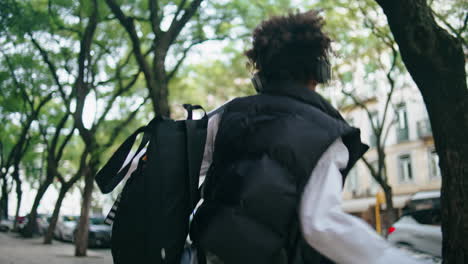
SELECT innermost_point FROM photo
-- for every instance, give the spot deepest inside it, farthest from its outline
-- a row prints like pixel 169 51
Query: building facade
pixel 411 160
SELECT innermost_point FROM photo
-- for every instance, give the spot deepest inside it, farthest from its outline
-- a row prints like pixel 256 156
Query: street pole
pixel 379 199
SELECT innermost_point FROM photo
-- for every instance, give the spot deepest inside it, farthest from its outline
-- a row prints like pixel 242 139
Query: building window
pixel 406 174
pixel 434 165
pixel 374 120
pixel 402 123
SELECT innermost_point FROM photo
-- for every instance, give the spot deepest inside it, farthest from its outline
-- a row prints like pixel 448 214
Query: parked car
pixel 99 233
pixel 6 224
pixel 66 225
pixel 418 230
pixel 422 201
pixel 22 220
pixel 43 221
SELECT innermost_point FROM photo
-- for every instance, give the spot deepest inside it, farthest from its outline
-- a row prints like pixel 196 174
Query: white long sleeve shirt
pixel 339 236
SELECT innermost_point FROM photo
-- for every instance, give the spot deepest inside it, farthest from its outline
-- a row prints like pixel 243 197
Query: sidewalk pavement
pixel 16 250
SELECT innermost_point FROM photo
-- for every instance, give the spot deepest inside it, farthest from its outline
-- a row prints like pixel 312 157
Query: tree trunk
pixel 81 238
pixel 160 90
pixel 4 199
pixel 389 197
pixel 160 98
pixel 19 195
pixel 53 221
pixel 390 213
pixel 436 62
pixel 31 227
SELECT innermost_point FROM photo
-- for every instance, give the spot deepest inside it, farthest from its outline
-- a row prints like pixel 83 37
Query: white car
pixel 418 230
pixel 422 200
pixel 6 225
pixel 65 228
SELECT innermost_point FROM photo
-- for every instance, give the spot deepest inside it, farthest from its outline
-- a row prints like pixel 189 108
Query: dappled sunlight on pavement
pixel 16 250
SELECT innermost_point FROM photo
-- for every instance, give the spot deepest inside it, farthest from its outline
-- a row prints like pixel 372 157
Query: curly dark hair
pixel 289 47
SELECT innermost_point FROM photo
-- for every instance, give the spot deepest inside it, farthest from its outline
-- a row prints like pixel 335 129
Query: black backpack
pixel 151 220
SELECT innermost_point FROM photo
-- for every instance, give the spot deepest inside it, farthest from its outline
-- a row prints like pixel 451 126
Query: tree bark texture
pixel 4 199
pixel 53 220
pixel 81 238
pixel 31 227
pixel 82 90
pixel 436 62
pixel 19 195
pixel 160 93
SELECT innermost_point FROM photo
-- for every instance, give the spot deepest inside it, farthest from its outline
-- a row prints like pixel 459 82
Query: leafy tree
pixel 436 61
pixel 100 69
pixel 90 77
pixel 167 31
pixel 55 138
pixel 212 83
pixel 25 91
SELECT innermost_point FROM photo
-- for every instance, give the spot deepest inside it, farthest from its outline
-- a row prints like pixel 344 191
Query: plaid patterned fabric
pixel 111 215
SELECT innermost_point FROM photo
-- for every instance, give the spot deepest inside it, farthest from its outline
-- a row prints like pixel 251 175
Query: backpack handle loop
pixel 190 109
pixel 112 173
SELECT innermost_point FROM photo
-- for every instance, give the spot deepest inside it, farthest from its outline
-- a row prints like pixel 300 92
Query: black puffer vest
pixel 266 148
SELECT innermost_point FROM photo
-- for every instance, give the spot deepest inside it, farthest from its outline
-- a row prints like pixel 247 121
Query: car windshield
pixel 96 220
pixel 427 217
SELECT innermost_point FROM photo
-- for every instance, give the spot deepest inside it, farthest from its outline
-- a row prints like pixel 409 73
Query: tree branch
pixel 178 24
pixel 184 55
pixel 52 69
pixel 180 7
pixel 43 132
pixel 392 85
pixel 80 88
pixel 457 33
pixel 58 129
pixel 129 26
pixel 154 18
pixel 122 90
pixel 374 173
pixel 2 157
pixel 359 103
pixel 119 128
pixel 59 154
pixel 16 81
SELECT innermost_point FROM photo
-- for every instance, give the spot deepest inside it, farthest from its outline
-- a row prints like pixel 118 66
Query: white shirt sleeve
pixel 341 237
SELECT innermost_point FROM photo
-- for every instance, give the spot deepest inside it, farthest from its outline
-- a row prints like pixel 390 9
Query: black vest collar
pixel 300 92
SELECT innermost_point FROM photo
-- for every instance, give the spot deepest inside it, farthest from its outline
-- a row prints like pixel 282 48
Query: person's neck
pixel 311 85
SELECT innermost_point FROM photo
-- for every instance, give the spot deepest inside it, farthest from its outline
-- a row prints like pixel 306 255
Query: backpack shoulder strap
pixel 111 174
pixel 193 148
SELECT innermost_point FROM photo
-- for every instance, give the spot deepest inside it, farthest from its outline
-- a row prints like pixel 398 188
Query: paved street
pixel 14 250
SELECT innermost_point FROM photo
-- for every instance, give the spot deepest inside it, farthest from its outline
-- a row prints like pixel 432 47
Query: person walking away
pixel 276 162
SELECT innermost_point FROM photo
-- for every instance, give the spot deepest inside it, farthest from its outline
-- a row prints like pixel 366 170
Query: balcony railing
pixel 424 129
